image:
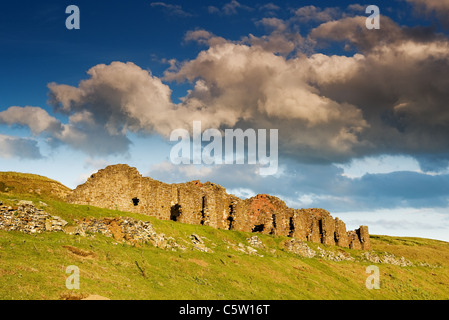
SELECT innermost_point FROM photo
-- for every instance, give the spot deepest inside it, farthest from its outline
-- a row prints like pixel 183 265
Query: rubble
pixel 334 256
pixel 255 242
pixel 27 218
pixel 242 248
pixel 300 248
pixel 25 203
pixel 125 229
pixel 387 258
pixel 248 250
pixel 198 243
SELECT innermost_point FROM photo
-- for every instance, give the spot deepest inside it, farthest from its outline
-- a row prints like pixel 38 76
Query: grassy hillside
pixel 16 183
pixel 33 266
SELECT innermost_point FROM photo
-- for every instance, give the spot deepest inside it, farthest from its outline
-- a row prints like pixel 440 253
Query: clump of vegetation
pixel 4 187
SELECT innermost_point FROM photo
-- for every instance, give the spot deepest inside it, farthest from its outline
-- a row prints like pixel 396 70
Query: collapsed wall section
pixel 263 213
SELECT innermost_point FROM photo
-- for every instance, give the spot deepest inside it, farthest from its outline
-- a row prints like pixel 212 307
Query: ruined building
pixel 121 187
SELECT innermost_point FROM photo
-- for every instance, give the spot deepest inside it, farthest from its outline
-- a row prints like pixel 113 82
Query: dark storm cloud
pixel 427 7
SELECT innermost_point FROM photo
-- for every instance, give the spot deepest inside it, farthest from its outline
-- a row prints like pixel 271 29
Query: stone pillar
pixel 364 237
pixel 302 223
pixel 341 236
pixel 328 230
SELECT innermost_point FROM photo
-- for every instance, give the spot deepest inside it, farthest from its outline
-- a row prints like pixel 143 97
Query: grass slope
pixel 17 183
pixel 33 266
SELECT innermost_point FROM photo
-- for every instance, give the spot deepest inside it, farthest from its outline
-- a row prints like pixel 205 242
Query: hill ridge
pixel 33 184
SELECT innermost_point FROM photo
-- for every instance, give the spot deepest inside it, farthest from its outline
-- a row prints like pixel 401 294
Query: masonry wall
pixel 123 188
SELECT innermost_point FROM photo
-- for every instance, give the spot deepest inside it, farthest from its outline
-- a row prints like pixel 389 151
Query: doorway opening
pixel 175 212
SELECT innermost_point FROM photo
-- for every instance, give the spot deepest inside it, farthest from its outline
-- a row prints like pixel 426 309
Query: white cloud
pixel 240 83
pixel 120 96
pixel 242 193
pixel 14 147
pixel 35 118
pixel 328 108
pixel 407 222
pixel 230 8
pixel 170 172
pixel 96 163
pixel 172 9
pixel 269 7
pixel 357 168
pixel 314 14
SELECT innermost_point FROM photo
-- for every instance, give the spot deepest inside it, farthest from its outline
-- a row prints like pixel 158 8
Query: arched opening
pixel 135 201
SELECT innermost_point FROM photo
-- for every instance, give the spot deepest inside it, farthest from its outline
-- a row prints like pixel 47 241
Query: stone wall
pixel 29 219
pixel 123 188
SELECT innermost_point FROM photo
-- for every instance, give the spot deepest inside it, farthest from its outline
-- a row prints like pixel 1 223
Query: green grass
pixel 33 266
pixel 26 184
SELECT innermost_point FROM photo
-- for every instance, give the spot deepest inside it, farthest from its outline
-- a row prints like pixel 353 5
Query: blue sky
pixel 362 114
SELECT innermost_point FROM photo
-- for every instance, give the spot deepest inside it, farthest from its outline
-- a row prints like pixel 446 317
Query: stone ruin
pixel 121 187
